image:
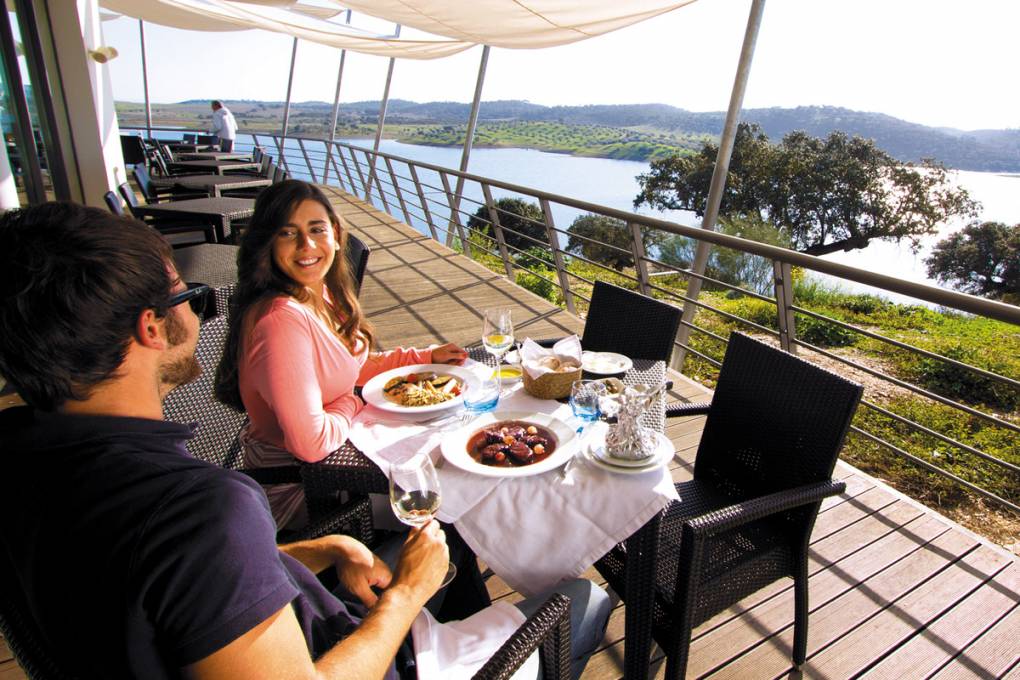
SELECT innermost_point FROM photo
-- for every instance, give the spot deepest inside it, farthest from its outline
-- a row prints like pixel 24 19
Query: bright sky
pixel 937 62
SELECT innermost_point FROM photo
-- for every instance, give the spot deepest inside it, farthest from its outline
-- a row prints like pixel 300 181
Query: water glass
pixel 584 400
pixel 415 495
pixel 481 394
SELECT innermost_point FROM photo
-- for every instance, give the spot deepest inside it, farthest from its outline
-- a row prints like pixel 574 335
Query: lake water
pixel 613 183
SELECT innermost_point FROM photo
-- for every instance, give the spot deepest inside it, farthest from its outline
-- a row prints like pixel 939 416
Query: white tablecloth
pixel 534 532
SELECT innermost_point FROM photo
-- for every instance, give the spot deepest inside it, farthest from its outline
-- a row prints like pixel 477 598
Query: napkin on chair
pixel 538 360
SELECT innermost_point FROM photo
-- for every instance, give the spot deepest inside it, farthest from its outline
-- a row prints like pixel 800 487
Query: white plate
pixel 372 393
pixel 454 446
pixel 595 454
pixel 605 363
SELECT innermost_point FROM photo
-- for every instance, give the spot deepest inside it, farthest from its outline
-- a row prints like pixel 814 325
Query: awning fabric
pixel 455 24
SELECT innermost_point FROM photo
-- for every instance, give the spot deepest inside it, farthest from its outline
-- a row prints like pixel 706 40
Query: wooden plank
pixel 932 647
pixel 831 622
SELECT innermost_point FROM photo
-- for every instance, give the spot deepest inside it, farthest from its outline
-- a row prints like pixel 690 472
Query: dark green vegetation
pixel 637 125
pixel 986 344
pixel 982 259
pixel 520 222
pixel 825 195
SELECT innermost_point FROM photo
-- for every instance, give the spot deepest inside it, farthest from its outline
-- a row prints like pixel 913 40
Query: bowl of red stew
pixel 511 444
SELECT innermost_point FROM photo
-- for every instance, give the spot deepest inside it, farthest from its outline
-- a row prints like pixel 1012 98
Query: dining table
pixel 533 531
pixel 213 165
pixel 219 211
pixel 214 185
pixel 214 156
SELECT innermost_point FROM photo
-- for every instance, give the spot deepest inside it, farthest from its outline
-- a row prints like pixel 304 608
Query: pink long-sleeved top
pixel 297 380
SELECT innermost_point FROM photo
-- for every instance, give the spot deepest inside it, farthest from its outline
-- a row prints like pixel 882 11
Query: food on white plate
pixel 421 389
pixel 511 443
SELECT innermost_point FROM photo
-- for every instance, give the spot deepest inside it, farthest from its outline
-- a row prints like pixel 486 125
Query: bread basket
pixel 551 385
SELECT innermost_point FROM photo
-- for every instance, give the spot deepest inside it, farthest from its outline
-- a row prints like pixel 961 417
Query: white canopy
pixel 457 24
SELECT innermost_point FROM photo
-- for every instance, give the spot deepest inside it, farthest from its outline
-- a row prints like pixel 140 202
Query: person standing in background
pixel 224 126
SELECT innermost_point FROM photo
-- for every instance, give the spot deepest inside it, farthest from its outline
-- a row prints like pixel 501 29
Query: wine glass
pixel 415 495
pixel 497 331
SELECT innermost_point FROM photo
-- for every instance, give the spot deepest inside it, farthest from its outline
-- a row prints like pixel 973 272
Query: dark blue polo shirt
pixel 137 558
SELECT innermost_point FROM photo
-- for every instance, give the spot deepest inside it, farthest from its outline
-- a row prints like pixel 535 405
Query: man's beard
pixel 183 370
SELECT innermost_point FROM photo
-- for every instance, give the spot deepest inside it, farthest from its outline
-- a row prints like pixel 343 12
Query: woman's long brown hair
pixel 259 280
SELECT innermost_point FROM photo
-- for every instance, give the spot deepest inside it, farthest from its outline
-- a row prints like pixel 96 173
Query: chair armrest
pixel 281 474
pixel 681 410
pixel 739 514
pixel 353 518
pixel 548 627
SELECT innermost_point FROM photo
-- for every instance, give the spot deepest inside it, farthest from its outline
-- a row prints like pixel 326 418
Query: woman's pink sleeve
pixel 281 360
pixel 384 361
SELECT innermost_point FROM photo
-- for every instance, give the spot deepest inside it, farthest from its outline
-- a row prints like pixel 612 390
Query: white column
pixel 8 189
pixel 82 97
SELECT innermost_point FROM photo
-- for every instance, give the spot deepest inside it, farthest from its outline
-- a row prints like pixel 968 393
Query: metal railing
pixel 421 195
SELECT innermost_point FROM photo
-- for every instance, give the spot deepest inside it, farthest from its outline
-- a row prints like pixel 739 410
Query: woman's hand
pixel 448 354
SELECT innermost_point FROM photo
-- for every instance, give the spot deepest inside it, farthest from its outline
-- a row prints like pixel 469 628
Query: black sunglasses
pixel 198 296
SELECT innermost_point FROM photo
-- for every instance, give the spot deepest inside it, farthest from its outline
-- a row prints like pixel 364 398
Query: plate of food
pixel 424 389
pixel 511 444
pixel 605 363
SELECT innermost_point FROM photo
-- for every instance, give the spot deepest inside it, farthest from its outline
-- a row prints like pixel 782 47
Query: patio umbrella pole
pixel 469 137
pixel 286 108
pixel 336 112
pixel 722 167
pixel 382 121
pixel 145 80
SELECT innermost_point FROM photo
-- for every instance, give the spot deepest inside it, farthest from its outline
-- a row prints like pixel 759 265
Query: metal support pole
pixel 469 135
pixel 454 215
pixel 382 121
pixel 397 191
pixel 357 166
pixel 722 166
pixel 145 81
pixel 282 140
pixel 784 305
pixel 308 162
pixel 336 168
pixel 424 203
pixel 378 183
pixel 24 138
pixel 347 168
pixel 638 248
pixel 497 230
pixel 336 113
pixel 554 242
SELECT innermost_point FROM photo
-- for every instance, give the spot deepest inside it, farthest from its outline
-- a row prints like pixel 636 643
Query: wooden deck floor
pixel 896 590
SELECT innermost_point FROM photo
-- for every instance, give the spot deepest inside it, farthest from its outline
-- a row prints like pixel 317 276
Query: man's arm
pixel 276 647
pixel 217 123
pixel 356 566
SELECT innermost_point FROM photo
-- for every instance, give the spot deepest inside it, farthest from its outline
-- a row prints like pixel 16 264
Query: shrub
pixel 964 384
pixel 538 285
pixel 823 333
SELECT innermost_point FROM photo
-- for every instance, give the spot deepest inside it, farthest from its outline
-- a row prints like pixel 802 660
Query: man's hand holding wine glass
pixel 423 562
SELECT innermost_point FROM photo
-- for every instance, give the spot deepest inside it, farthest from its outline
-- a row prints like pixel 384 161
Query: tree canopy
pixel 828 194
pixel 516 217
pixel 609 230
pixel 982 259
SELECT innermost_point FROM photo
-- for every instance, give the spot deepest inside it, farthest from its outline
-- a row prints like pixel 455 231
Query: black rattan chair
pixel 113 203
pixel 171 228
pixel 629 323
pixel 775 428
pixel 357 259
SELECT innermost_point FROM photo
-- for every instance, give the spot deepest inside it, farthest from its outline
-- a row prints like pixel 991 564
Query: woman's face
pixel 304 248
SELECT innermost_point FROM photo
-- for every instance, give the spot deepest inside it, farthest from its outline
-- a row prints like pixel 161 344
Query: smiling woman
pixel 298 342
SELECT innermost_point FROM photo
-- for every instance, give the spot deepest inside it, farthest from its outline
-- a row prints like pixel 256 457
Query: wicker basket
pixel 551 385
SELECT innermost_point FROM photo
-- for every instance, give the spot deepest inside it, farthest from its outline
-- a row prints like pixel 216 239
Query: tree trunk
pixel 846 244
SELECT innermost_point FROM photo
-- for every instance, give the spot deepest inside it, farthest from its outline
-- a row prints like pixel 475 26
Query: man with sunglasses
pixel 135 559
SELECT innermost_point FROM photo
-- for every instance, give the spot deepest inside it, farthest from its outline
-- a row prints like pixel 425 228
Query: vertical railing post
pixel 145 80
pixel 397 191
pixel 424 203
pixel 308 163
pixel 378 182
pixel 554 242
pixel 640 263
pixel 361 175
pixel 282 141
pixel 497 229
pixel 454 214
pixel 784 305
pixel 347 168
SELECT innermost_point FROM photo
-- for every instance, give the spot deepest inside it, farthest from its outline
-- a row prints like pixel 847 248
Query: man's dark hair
pixel 216 103
pixel 73 282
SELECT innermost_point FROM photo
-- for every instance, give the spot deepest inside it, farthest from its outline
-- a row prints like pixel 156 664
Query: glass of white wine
pixel 415 495
pixel 497 332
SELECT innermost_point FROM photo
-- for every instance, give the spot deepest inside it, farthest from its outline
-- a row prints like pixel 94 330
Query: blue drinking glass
pixel 482 394
pixel 584 401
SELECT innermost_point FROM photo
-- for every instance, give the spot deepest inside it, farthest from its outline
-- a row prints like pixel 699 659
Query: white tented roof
pixel 455 25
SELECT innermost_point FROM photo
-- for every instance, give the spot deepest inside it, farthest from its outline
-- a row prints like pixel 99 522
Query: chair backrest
pixel 163 149
pixel 776 421
pixel 357 259
pixel 629 323
pixel 217 439
pixel 21 631
pixel 128 194
pixel 207 139
pixel 161 165
pixel 279 174
pixel 257 154
pixel 144 183
pixel 266 161
pixel 133 149
pixel 113 203
pixel 188 137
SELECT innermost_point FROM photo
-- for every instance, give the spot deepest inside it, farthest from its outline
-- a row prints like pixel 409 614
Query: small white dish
pixel 605 363
pixel 596 454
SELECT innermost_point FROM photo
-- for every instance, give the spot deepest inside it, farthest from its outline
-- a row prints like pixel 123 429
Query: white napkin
pixel 566 349
pixel 458 649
